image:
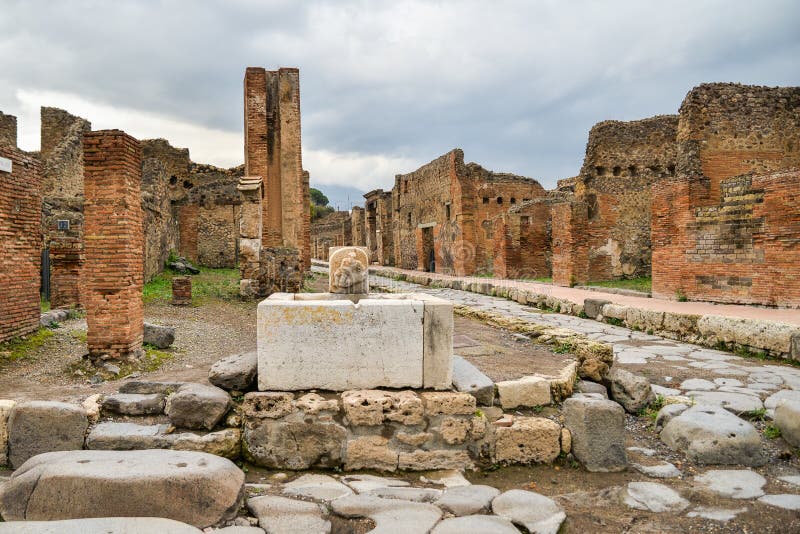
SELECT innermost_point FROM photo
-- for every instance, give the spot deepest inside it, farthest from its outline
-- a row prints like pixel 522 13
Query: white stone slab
pixel 338 345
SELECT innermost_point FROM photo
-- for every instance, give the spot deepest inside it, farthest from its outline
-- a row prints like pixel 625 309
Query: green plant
pixel 680 295
pixel 772 432
pixel 563 347
pixel 756 415
pixel 643 284
pixel 172 258
pixel 614 321
pixel 583 315
pixel 478 413
pixel 22 348
pixel 44 305
pixel 80 335
pixel 537 409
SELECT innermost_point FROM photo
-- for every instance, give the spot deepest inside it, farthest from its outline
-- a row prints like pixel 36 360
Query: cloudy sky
pixel 388 85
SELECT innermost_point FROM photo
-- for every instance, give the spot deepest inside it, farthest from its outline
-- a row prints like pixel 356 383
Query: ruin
pixel 113 271
pixel 332 230
pixel 273 154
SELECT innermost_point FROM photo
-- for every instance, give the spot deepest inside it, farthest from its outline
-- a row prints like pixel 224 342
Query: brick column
pixel 113 271
pixel 182 291
pixel 570 249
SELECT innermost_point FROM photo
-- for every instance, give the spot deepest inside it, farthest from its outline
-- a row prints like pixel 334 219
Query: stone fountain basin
pixel 339 342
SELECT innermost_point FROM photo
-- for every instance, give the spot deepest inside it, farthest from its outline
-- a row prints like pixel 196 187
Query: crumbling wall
pixel 569 247
pixel 161 234
pixel 113 272
pixel 727 227
pixel 273 151
pixel 357 226
pixel 333 230
pixel 20 243
pixel 623 159
pixel 378 228
pixel 8 130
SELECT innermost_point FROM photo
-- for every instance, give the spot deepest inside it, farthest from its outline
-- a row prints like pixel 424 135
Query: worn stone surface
pixel 528 391
pixel 785 501
pixel 293 445
pixel 593 308
pixel 712 435
pixel 197 406
pixel 733 483
pixel 787 418
pixel 535 512
pixel 134 403
pixel 36 427
pixel 113 436
pixel 653 497
pixel 279 515
pixel 313 403
pixel 467 500
pixel 295 339
pixel 146 387
pixel 160 336
pixel 631 391
pixel 372 407
pixel 734 402
pixel 102 525
pixel 469 379
pixel 434 459
pixel 716 514
pixel 236 372
pixel 5 412
pixel 199 489
pixel 528 440
pixel 449 478
pixel 407 493
pixel 483 524
pixel 666 413
pixel 437 350
pixel 363 483
pixel 442 403
pixel 660 470
pixel 389 515
pixel 587 386
pixel 370 452
pixel 316 487
pixel 267 405
pixel 598 433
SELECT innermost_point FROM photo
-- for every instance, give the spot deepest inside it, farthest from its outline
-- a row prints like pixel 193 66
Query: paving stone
pixel 653 497
pixel 134 403
pixel 280 515
pixel 642 450
pixel 787 418
pixel 792 479
pixel 535 512
pixel 390 515
pixel 587 386
pixel 317 487
pixel 467 500
pixel 666 413
pixel 197 406
pixel 469 379
pixel 733 483
pixel 698 384
pixel 148 386
pixel 631 391
pixel 36 427
pixel 597 427
pixel 236 372
pixel 664 392
pixel 475 524
pixel 776 398
pixel 193 487
pixel 407 494
pixel 365 483
pixel 101 525
pixel 785 501
pixel 726 382
pixel 449 478
pixel 716 514
pixel 712 435
pixel 735 402
pixel 662 470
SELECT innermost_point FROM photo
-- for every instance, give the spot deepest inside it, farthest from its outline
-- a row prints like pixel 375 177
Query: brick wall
pixel 188 219
pixel 273 151
pixel 20 243
pixel 569 248
pixel 160 221
pixel 333 230
pixel 378 227
pixel 357 226
pixel 113 230
pixel 727 227
pixel 8 130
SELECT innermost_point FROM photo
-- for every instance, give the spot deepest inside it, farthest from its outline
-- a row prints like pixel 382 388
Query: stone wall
pixel 160 220
pixel 623 159
pixel 333 230
pixel 379 237
pixel 727 227
pixel 8 130
pixel 446 210
pixel 357 225
pixel 20 243
pixel 113 271
pixel 273 152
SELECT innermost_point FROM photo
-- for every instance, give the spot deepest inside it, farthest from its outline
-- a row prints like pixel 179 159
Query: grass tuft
pixel 643 284
pixel 210 284
pixel 22 348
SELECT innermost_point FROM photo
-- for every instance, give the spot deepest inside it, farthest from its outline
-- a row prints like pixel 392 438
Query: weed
pixel 80 335
pixel 478 413
pixel 680 295
pixel 537 409
pixel 574 464
pixel 22 348
pixel 772 432
pixel 44 305
pixel 756 415
pixel 210 284
pixel 583 315
pixel 643 284
pixel 651 411
pixel 563 347
pixel 614 321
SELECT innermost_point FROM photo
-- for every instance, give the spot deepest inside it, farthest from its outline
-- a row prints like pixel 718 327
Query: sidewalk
pixel 577 296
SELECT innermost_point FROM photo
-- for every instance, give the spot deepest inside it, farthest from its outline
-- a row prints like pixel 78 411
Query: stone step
pixel 469 379
pixel 134 403
pixel 112 436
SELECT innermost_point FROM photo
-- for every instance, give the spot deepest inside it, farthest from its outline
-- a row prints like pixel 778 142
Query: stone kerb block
pixel 322 341
pixel 36 427
pixel 348 270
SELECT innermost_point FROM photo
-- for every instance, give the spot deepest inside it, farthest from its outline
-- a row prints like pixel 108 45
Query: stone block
pixel 469 379
pixel 615 311
pixel 454 431
pixel 159 336
pixel 5 412
pixel 134 403
pixel 632 391
pixel 236 372
pixel 197 406
pixel 36 427
pixel 293 445
pixel 295 340
pixel 528 440
pixel 370 452
pixel 313 403
pixel 199 489
pixel 527 391
pixel 761 335
pixel 435 459
pixel 437 350
pixel 267 404
pixel 99 525
pixel 442 403
pixel 146 387
pixel 593 308
pixel 787 418
pixel 597 428
pixel 372 407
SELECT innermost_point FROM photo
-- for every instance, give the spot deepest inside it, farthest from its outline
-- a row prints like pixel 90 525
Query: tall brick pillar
pixel 570 249
pixel 113 271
